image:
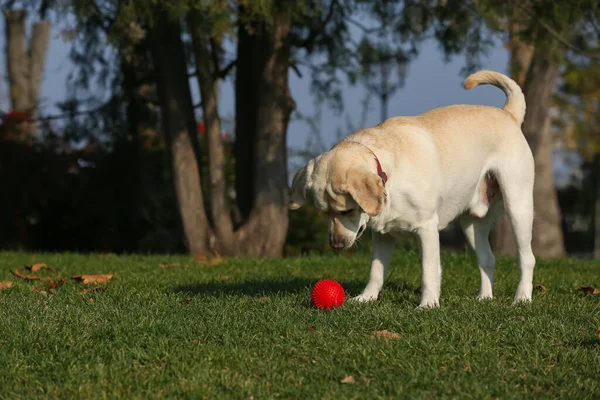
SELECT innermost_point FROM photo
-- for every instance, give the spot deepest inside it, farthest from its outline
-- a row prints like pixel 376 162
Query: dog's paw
pixel 365 297
pixel 523 294
pixel 427 304
pixel 521 299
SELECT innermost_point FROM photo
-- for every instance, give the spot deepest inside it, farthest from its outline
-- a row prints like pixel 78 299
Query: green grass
pixel 190 332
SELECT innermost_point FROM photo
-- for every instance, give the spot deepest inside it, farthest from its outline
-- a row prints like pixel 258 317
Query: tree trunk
pixel 521 53
pixel 25 69
pixel 37 61
pixel 16 59
pixel 249 62
pixel 207 69
pixel 596 173
pixel 179 127
pixel 538 88
pixel 267 53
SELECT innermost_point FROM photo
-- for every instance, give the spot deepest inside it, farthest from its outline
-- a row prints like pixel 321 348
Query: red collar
pixel 380 172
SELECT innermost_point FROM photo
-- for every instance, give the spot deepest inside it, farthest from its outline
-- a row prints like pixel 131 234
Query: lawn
pixel 174 327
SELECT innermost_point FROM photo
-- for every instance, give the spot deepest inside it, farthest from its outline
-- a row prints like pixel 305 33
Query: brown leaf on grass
pixel 210 261
pixel 51 286
pixel 92 289
pixel 348 379
pixel 262 299
pixel 27 277
pixel 311 328
pixel 5 284
pixel 599 333
pixel 85 279
pixel 224 277
pixel 541 288
pixel 385 334
pixel 37 267
pixel 171 265
pixel 187 300
pixel 590 289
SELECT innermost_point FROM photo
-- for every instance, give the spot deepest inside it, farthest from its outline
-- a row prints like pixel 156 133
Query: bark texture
pixel 597 208
pixel 538 88
pixel 180 131
pixel 537 71
pixel 207 69
pixel 25 68
pixel 271 103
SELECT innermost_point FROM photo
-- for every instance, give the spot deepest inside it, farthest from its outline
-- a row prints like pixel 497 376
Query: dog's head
pixel 342 183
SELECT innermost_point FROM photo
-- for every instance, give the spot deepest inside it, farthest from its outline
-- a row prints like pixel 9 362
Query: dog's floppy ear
pixel 299 186
pixel 366 188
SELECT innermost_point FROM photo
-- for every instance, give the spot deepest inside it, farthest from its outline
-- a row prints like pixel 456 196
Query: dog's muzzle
pixel 361 230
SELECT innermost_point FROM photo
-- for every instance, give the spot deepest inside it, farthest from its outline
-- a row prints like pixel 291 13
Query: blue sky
pixel 430 82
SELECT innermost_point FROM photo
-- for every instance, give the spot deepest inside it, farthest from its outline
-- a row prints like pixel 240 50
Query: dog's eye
pixel 345 212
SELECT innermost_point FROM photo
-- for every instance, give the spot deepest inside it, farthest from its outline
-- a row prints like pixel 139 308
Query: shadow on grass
pixel 268 287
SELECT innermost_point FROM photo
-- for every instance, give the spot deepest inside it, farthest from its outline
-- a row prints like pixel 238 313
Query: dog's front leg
pixel 383 247
pixel 429 239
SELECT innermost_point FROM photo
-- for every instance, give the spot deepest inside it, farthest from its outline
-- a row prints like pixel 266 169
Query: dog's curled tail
pixel 515 100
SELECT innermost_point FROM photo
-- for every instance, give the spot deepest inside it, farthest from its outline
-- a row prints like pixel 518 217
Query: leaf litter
pixel 36 267
pixel 56 281
pixel 385 334
pixel 87 279
pixel 590 289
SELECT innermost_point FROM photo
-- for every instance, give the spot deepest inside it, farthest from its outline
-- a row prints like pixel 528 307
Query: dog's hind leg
pixel 517 193
pixel 477 232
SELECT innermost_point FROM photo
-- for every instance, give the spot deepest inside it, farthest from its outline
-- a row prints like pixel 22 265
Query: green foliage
pixel 245 328
pixel 579 103
pixel 93 199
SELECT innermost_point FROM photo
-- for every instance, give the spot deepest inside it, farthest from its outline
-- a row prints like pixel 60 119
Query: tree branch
pixel 225 71
pixel 561 39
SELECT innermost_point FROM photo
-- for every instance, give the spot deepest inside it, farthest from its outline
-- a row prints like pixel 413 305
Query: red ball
pixel 327 294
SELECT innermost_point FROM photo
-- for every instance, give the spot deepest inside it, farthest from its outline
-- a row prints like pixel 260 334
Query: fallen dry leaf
pixel 385 334
pixel 541 287
pixel 187 300
pixel 170 265
pixel 92 289
pixel 85 279
pixel 348 379
pixel 52 284
pixel 5 284
pixel 211 261
pixel 599 332
pixel 36 267
pixel 262 299
pixel 590 289
pixel 26 277
pixel 224 277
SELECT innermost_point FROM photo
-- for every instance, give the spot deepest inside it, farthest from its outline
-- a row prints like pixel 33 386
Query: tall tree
pixel 540 43
pixel 25 67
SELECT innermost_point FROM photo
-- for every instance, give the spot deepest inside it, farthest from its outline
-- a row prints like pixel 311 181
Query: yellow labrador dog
pixel 418 174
